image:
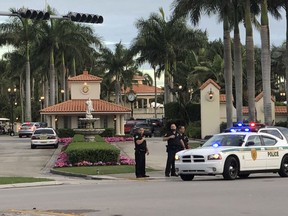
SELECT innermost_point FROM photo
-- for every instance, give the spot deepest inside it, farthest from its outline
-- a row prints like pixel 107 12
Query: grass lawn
pixel 100 170
pixel 15 180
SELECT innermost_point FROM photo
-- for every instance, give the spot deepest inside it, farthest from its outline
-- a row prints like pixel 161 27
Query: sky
pixel 120 17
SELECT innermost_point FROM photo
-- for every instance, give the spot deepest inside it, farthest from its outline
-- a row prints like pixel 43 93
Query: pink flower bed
pixel 118 139
pixel 63 160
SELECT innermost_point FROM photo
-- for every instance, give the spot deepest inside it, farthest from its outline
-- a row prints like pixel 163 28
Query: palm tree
pixel 160 42
pixel 20 32
pixel 193 9
pixel 119 67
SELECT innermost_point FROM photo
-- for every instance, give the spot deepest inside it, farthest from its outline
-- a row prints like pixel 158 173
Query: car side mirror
pixel 251 143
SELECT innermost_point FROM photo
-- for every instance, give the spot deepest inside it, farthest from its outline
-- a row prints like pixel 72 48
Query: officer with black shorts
pixel 140 151
pixel 173 145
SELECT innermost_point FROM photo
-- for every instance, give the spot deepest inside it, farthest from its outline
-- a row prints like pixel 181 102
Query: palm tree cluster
pixel 47 52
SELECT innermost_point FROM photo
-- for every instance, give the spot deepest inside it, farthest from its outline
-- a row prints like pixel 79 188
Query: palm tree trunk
pixel 73 67
pixel 238 70
pixel 52 78
pixel 250 67
pixel 63 78
pixel 166 84
pixel 286 59
pixel 266 63
pixel 228 72
pixel 155 91
pixel 27 87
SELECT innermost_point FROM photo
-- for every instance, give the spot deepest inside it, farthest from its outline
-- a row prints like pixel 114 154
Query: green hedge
pixel 92 151
pixel 65 132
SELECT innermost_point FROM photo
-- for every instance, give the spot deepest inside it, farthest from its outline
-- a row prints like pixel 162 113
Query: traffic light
pixel 33 14
pixel 87 18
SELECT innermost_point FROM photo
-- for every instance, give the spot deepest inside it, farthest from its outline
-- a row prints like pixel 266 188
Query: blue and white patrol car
pixel 234 155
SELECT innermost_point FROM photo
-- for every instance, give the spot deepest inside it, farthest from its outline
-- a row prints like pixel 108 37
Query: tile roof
pixel 143 89
pixel 85 77
pixel 259 96
pixel 79 106
pixel 223 98
pixel 208 82
pixel 280 109
pixel 137 77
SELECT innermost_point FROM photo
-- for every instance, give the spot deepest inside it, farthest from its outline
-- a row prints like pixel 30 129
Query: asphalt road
pixel 18 159
pixel 261 194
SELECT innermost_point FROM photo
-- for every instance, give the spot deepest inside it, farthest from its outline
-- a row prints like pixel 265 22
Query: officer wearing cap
pixel 140 151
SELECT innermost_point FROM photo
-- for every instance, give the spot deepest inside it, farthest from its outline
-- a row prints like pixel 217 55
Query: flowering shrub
pixel 118 139
pixel 63 160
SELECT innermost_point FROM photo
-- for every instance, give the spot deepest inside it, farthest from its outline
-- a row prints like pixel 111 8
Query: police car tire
pixel 231 168
pixel 186 177
pixel 283 172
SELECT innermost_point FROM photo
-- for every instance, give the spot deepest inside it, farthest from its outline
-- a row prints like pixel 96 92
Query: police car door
pixel 254 154
pixel 273 154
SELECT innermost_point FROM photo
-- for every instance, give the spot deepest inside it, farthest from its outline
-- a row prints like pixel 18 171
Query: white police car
pixel 234 155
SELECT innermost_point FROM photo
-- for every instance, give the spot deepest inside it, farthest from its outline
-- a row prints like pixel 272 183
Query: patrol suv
pixel 234 155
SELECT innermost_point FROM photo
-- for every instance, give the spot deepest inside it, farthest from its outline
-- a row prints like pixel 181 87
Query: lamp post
pixel 12 97
pixel 42 106
pixel 62 95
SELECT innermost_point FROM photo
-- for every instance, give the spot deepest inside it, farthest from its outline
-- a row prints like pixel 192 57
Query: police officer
pixel 173 144
pixel 140 151
pixel 184 138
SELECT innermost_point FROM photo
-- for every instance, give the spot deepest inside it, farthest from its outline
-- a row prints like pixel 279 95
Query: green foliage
pixel 189 113
pixel 65 132
pixel 193 130
pixel 14 180
pixel 92 152
pixel 109 132
pixel 281 124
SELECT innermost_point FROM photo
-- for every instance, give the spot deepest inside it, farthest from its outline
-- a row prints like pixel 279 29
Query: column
pixel 122 125
pixel 118 125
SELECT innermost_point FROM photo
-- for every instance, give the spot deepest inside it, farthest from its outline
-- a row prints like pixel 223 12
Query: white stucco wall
pixel 210 111
pixel 78 93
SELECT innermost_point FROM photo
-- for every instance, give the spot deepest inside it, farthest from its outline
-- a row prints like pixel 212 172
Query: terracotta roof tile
pixel 85 77
pixel 78 106
pixel 223 98
pixel 280 109
pixel 208 82
pixel 259 96
pixel 136 77
pixel 143 89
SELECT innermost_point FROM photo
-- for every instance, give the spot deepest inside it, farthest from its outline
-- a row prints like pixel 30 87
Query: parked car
pixel 148 129
pixel 156 122
pixel 27 129
pixel 128 126
pixel 44 137
pixel 280 132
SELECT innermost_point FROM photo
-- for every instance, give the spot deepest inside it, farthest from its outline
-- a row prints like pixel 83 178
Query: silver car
pixel 44 137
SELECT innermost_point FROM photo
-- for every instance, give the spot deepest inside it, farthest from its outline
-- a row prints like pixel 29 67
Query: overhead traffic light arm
pixel 87 18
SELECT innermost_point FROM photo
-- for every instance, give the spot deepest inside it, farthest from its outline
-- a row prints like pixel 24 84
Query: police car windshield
pixel 225 140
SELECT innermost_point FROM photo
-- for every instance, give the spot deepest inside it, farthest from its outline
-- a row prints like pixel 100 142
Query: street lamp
pixel 12 97
pixel 62 95
pixel 42 106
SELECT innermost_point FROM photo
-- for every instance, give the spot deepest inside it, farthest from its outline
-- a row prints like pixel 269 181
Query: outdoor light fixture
pixel 210 94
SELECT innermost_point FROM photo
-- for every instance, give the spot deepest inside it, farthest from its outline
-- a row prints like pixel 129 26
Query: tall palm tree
pixel 160 41
pixel 20 32
pixel 193 9
pixel 119 67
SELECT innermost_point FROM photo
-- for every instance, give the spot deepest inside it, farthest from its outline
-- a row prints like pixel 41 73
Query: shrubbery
pixel 109 132
pixel 65 132
pixel 92 152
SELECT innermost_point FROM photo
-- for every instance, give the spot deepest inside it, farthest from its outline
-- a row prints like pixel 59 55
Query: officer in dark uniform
pixel 173 145
pixel 140 151
pixel 184 138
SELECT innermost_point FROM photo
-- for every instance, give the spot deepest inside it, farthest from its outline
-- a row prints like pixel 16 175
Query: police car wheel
pixel 186 177
pixel 283 172
pixel 231 169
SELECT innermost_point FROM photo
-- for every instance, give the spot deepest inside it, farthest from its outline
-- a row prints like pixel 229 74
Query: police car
pixel 234 155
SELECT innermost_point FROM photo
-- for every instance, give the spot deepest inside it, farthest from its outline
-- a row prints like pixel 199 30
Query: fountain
pixel 89 132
